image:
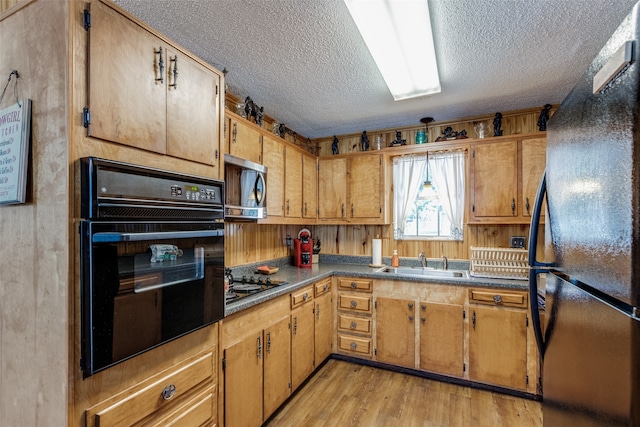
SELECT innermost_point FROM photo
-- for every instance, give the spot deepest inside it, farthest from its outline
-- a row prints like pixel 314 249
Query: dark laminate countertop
pixel 352 266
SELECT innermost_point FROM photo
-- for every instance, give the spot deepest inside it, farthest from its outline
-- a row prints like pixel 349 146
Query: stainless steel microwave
pixel 246 189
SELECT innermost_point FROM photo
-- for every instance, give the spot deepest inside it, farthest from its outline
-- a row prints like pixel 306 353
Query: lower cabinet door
pixel 498 346
pixel 395 331
pixel 277 366
pixel 442 338
pixel 302 344
pixel 323 327
pixel 243 382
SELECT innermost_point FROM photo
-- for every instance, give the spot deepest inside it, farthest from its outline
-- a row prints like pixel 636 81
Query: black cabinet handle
pixel 175 71
pixel 160 64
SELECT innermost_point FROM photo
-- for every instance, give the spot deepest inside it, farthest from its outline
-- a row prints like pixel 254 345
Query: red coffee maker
pixel 302 249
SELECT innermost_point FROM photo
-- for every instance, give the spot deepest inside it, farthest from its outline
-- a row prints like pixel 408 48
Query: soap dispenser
pixel 395 260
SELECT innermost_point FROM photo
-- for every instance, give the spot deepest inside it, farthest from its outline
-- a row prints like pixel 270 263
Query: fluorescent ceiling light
pixel 398 35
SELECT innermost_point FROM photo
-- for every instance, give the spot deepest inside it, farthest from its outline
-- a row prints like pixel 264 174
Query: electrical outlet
pixel 517 242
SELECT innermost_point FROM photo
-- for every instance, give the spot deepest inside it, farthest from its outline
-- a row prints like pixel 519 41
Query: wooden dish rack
pixel 499 263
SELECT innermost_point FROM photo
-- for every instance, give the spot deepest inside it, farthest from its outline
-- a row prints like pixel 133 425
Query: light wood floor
pixel 347 394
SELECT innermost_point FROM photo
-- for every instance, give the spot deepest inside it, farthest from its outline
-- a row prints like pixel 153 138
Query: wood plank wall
pixel 249 243
pixel 34 289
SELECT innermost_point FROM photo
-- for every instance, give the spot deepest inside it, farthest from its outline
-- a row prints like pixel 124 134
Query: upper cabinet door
pixel 245 141
pixel 534 159
pixel 273 159
pixel 127 88
pixel 365 183
pixel 309 187
pixel 495 179
pixel 193 130
pixel 332 188
pixel 293 183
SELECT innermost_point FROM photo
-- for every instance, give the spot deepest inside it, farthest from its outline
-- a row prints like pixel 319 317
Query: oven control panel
pixel 115 184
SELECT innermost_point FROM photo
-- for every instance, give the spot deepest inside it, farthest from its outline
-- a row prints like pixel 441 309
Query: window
pixel 429 196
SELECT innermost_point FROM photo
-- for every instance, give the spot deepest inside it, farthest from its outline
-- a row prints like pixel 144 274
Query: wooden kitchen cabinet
pixel 244 139
pixel 441 338
pixel 277 366
pixel 146 93
pixel 498 338
pixel 395 331
pixel 293 183
pixel 534 160
pixel 495 179
pixel 309 187
pixel 505 174
pixel 258 371
pixel 323 320
pixel 243 371
pixel 183 394
pixel 332 189
pixel 302 336
pixel 350 189
pixel 365 188
pixel 273 158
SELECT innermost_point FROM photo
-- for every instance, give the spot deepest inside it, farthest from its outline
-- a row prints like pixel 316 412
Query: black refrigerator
pixel 589 338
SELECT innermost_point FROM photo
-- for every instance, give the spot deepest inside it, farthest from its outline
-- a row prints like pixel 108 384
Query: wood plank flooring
pixel 347 394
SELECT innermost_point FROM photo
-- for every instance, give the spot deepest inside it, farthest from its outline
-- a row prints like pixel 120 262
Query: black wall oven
pixel 152 258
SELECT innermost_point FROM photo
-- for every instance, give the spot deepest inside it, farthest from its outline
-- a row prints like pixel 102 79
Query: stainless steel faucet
pixel 445 263
pixel 423 259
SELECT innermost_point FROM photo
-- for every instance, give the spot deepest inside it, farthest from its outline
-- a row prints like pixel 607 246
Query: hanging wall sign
pixel 15 130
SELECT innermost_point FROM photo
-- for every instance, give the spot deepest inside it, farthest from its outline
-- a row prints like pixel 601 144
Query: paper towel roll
pixel 376 258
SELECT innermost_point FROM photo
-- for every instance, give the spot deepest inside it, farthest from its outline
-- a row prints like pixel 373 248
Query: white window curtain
pixel 447 172
pixel 408 174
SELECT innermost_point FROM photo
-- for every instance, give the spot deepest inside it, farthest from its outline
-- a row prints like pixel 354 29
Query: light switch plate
pixel 517 242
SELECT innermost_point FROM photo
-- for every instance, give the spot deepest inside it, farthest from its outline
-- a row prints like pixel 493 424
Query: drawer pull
pixel 305 296
pixel 326 287
pixel 497 299
pixel 354 304
pixel 168 392
pixel 354 325
pixel 410 305
pixel 353 346
pixel 424 306
pixel 354 285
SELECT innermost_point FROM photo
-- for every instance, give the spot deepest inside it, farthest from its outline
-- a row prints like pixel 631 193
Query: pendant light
pixel 427 192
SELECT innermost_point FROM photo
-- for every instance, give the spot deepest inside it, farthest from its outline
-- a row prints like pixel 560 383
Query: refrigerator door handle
pixel 537 267
pixel 535 223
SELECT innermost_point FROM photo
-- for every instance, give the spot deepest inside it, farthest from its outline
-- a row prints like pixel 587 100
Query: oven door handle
pixel 138 237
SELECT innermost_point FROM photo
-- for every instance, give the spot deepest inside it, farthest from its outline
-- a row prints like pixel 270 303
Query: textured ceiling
pixel 305 62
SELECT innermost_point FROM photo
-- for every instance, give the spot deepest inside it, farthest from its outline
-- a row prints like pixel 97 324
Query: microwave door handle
pixel 263 194
pixel 139 237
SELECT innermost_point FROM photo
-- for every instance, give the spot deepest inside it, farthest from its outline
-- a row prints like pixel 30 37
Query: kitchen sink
pixel 425 272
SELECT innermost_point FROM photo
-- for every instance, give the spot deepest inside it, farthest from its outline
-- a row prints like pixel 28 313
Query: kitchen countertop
pixel 352 267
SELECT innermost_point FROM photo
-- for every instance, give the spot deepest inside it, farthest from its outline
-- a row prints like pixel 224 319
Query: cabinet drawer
pixel 323 287
pixel 139 401
pixel 354 324
pixel 195 412
pixel 355 303
pixel 506 298
pixel 356 285
pixel 354 344
pixel 301 296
